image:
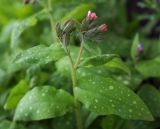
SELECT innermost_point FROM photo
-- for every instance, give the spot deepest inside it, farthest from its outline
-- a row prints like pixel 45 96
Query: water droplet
pixel 30 97
pixel 26 114
pixel 111 100
pixel 130 110
pixel 57 107
pixel 99 71
pixel 101 91
pixel 126 82
pixel 113 105
pixel 102 107
pixel 134 102
pixel 30 108
pixel 21 110
pixel 83 74
pixel 119 110
pixel 95 107
pixel 96 100
pixel 37 111
pixel 120 99
pixel 43 94
pixel 111 87
pixel 93 83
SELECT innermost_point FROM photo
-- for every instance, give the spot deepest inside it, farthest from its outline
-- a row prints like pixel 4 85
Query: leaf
pixel 79 12
pixel 43 103
pixel 5 124
pixel 97 60
pixel 19 27
pixel 68 121
pixel 149 68
pixel 92 49
pixel 105 96
pixel 151 96
pixel 140 125
pixel 118 64
pixel 134 46
pixel 38 55
pixel 16 94
pixel 109 122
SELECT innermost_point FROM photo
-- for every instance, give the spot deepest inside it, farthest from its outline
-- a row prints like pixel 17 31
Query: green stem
pixel 74 81
pixel 80 54
pixel 49 11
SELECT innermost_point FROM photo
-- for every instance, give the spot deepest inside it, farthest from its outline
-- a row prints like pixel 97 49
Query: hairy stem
pixel 74 81
pixel 79 55
pixel 49 11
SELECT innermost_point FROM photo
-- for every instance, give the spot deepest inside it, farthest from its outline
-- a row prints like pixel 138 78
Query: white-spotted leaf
pixel 16 94
pixel 42 103
pixel 38 55
pixel 151 96
pixel 19 27
pixel 105 96
pixel 97 60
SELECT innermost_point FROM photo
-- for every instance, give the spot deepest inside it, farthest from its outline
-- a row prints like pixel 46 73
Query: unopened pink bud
pixel 103 27
pixel 91 16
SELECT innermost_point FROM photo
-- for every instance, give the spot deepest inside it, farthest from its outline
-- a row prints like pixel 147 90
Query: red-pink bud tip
pixel 103 27
pixel 91 16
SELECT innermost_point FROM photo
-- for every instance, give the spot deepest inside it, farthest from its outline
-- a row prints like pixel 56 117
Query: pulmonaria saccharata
pixel 90 28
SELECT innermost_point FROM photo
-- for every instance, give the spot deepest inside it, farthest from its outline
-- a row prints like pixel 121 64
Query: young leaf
pixel 16 94
pixel 151 96
pixel 119 64
pixel 39 55
pixel 97 60
pixel 42 103
pixel 106 96
pixel 19 27
pixel 134 46
pixel 149 68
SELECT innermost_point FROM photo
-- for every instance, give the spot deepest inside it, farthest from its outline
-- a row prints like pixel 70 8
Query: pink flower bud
pixel 103 27
pixel 91 16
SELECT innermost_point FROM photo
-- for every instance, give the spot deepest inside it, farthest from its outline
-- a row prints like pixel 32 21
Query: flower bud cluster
pixel 64 31
pixel 91 29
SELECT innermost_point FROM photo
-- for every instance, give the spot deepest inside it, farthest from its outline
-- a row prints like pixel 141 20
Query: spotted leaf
pixel 38 55
pixel 151 96
pixel 106 96
pixel 97 60
pixel 16 94
pixel 42 103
